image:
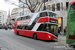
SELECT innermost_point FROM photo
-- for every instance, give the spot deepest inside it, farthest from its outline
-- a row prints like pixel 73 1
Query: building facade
pixel 23 8
pixel 14 15
pixel 9 19
pixel 3 17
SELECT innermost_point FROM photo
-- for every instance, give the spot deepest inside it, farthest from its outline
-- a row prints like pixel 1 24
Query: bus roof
pixel 72 2
pixel 25 15
pixel 37 12
pixel 45 11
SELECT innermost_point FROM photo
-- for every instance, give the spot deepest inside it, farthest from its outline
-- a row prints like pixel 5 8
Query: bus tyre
pixel 35 36
pixel 74 47
pixel 17 33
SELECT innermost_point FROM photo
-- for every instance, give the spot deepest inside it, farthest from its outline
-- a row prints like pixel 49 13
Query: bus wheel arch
pixel 35 36
pixel 17 33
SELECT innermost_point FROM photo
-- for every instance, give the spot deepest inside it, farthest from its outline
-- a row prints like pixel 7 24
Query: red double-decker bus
pixel 41 25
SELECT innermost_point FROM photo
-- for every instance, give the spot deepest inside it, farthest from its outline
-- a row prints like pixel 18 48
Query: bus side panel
pixel 27 33
pixel 41 35
pixel 45 36
pixel 15 30
pixel 46 19
pixel 41 20
pixel 20 32
pixel 51 37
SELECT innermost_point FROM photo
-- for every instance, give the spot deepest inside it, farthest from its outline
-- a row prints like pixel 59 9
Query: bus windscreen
pixel 72 8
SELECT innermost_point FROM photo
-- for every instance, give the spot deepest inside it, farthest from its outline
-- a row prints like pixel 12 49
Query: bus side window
pixel 23 28
pixel 27 17
pixel 43 14
pixel 42 27
pixel 18 27
pixel 18 19
pixel 23 18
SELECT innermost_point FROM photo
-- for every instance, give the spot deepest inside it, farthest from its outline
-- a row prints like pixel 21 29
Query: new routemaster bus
pixel 70 37
pixel 41 25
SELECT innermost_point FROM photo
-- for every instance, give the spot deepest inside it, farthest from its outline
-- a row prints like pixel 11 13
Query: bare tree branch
pixel 30 3
pixel 35 4
pixel 39 7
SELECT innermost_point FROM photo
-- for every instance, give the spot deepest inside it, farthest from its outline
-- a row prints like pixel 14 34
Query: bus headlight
pixel 49 36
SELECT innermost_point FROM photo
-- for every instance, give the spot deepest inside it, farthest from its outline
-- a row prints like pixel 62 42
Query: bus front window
pixel 72 8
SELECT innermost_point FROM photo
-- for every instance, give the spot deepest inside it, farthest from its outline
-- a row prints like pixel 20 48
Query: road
pixel 30 42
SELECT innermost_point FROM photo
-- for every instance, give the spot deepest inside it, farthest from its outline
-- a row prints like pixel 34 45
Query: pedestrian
pixel 64 31
pixel 59 31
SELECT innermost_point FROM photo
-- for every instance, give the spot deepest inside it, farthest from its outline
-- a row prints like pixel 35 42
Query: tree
pixel 32 5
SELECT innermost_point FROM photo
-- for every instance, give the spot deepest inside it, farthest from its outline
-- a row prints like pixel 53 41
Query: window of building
pixel 27 12
pixel 20 0
pixel 46 0
pixel 48 7
pixel 20 13
pixel 62 5
pixel 24 12
pixel 67 5
pixel 43 1
pixel 53 7
pixel 0 14
pixel 25 5
pixel 49 0
pixel 58 6
pixel 21 5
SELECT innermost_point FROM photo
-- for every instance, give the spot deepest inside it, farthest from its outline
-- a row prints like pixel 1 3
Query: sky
pixel 6 6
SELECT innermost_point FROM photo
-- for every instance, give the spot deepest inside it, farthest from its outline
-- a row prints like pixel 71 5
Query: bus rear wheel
pixel 35 36
pixel 17 33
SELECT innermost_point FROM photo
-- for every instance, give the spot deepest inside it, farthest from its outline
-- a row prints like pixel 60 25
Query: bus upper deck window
pixel 52 15
pixel 43 14
pixel 72 7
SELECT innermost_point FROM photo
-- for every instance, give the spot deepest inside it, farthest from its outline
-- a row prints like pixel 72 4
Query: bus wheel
pixel 35 36
pixel 17 33
pixel 74 46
